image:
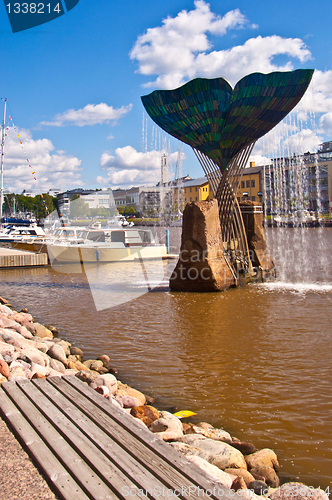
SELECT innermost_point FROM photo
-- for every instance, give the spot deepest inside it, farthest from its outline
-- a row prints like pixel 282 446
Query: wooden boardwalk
pixel 18 258
pixel 89 449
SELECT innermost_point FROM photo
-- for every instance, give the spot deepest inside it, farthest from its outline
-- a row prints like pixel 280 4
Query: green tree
pixel 78 208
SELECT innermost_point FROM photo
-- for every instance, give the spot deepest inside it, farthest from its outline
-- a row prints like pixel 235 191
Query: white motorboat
pixel 16 235
pixel 122 244
pixel 298 218
pixel 119 220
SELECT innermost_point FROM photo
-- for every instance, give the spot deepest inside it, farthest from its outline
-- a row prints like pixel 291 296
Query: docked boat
pixel 298 218
pixel 19 236
pixel 119 220
pixel 122 244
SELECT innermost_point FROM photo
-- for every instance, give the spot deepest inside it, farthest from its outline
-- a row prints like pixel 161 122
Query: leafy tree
pixel 39 206
pixel 127 210
pixel 78 208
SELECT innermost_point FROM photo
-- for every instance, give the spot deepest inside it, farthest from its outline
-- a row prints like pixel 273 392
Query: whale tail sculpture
pixel 222 124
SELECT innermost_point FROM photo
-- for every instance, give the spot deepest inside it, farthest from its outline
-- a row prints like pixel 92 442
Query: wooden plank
pixel 150 450
pixel 57 475
pixel 155 463
pixel 93 440
pixel 72 461
pixel 139 474
pixel 128 442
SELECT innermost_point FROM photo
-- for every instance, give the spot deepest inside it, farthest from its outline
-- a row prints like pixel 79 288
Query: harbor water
pixel 255 361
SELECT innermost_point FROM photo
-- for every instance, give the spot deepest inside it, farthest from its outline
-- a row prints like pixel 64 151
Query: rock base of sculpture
pixel 252 215
pixel 201 266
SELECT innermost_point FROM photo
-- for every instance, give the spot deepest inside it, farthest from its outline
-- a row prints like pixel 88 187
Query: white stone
pixel 5 310
pixel 213 471
pixel 217 434
pixel 42 370
pixel 6 349
pixel 107 379
pixel 174 426
pixel 35 355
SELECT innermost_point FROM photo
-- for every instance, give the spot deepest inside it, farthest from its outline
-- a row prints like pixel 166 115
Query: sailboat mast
pixel 2 158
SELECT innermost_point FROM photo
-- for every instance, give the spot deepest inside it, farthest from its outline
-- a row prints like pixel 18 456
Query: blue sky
pixel 73 85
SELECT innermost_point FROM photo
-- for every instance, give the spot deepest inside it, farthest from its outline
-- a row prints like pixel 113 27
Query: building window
pixel 185 190
pixel 242 184
pixel 190 189
pixel 238 199
pixel 191 198
pixel 196 190
pixel 253 183
pixel 248 184
pixel 253 198
pixel 196 198
pixel 243 198
pixel 185 200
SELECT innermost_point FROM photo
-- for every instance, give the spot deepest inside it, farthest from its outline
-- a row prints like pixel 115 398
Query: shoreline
pixel 32 350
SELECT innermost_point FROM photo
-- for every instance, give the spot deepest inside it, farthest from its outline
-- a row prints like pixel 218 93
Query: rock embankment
pixel 30 350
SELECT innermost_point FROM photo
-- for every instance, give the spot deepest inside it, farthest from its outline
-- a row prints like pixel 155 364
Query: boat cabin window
pixel 96 236
pixel 146 236
pixel 118 237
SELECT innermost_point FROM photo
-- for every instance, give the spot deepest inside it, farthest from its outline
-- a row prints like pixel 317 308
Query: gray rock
pixel 8 359
pixel 6 349
pixel 41 331
pixel 107 379
pixel 223 455
pixel 55 364
pixel 96 365
pixel 87 376
pixel 214 472
pixel 259 487
pixel 188 450
pixel 244 474
pixel 57 352
pixel 264 457
pixel 127 401
pixel 217 434
pixel 243 447
pixel 75 351
pixel 39 344
pixel 34 355
pixel 42 370
pixel 65 346
pixel 269 474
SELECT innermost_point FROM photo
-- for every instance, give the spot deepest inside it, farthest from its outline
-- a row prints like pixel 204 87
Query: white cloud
pixel 180 50
pixel 256 55
pixel 286 139
pixel 128 167
pixel 325 123
pixel 51 170
pixel 91 114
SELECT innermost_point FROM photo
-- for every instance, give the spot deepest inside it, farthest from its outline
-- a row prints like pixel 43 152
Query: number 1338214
pixel 33 8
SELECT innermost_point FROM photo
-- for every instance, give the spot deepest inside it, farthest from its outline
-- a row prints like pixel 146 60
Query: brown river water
pixel 254 360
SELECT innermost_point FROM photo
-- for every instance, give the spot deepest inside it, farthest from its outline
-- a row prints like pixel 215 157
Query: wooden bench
pixel 88 448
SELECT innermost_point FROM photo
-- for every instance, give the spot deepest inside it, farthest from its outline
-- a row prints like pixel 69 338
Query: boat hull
pixel 100 253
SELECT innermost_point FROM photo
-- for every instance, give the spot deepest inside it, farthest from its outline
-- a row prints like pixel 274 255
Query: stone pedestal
pixel 252 215
pixel 201 266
